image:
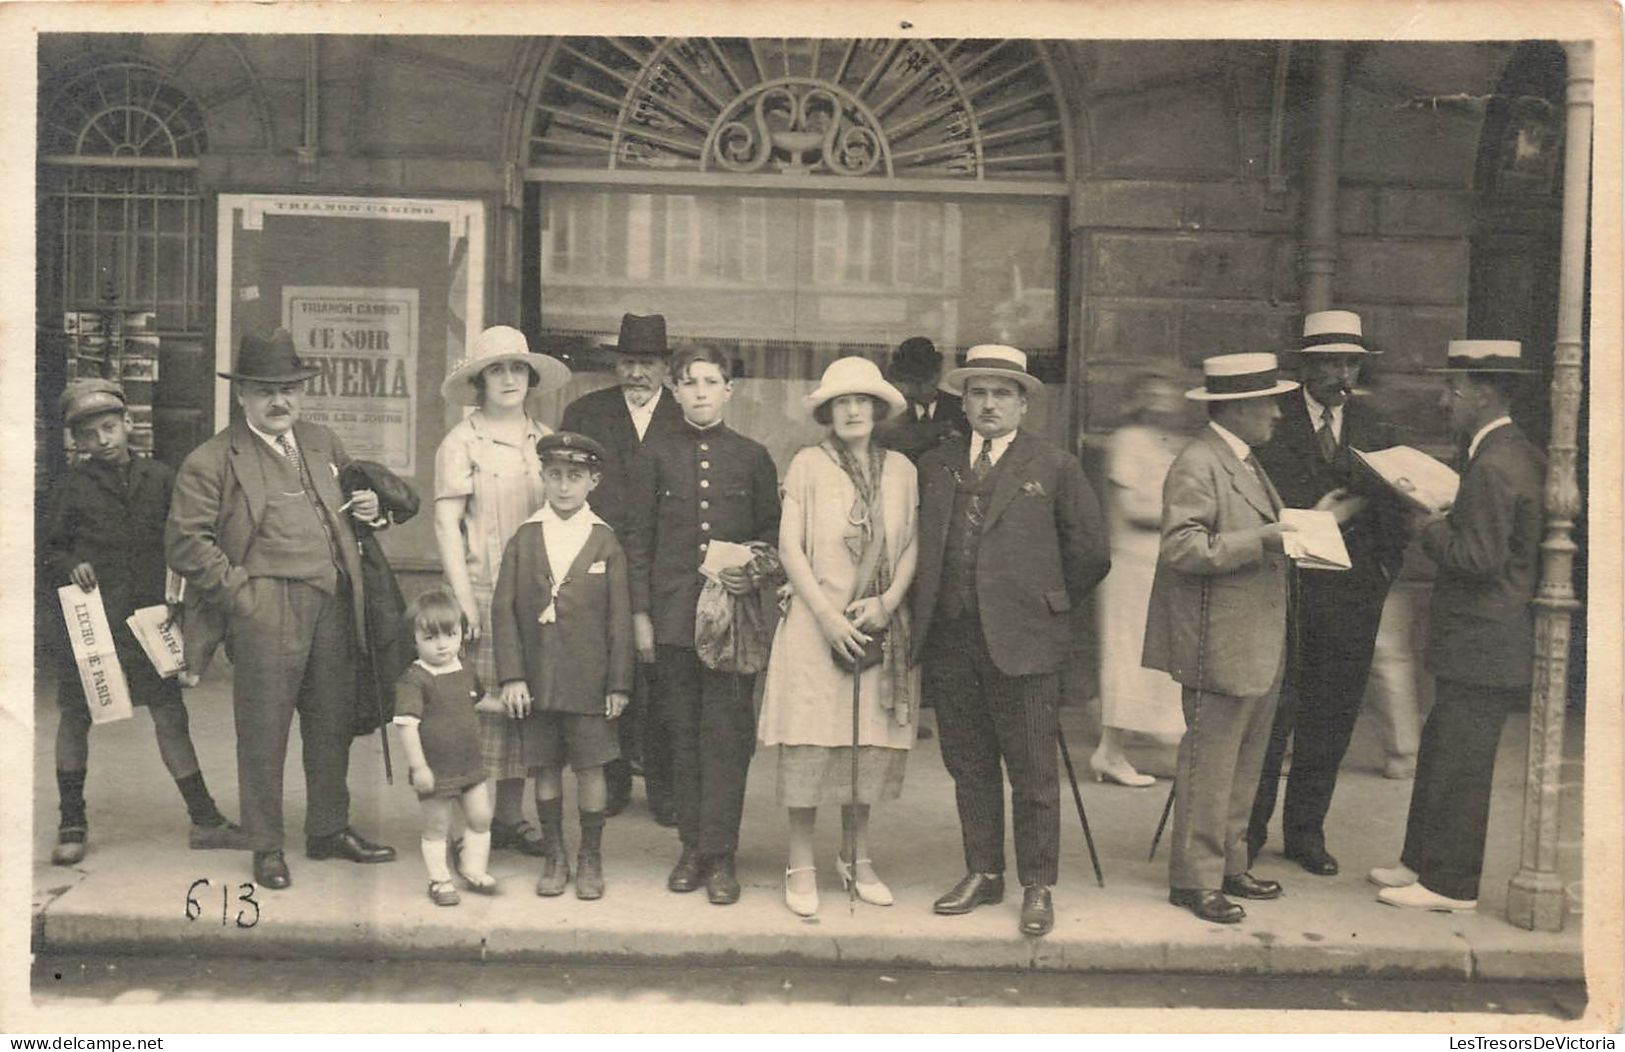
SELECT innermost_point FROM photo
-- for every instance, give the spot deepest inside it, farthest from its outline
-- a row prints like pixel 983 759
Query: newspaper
pixel 1424 482
pixel 102 676
pixel 159 638
pixel 1316 543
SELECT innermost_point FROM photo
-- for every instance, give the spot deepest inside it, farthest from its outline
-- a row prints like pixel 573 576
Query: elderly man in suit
pixel 1335 631
pixel 257 526
pixel 638 410
pixel 1217 623
pixel 1481 648
pixel 1011 543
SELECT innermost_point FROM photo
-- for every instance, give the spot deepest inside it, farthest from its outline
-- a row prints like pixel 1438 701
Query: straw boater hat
pixel 1485 356
pixel 500 343
pixel 1333 332
pixel 993 359
pixel 1227 377
pixel 854 376
pixel 643 334
pixel 90 397
pixel 270 360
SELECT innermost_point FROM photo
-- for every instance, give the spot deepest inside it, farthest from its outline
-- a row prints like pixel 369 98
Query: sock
pixel 70 788
pixel 551 811
pixel 199 804
pixel 434 858
pixel 475 855
pixel 592 830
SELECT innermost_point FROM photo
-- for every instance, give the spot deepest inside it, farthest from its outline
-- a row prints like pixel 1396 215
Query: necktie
pixel 984 461
pixel 286 448
pixel 1326 437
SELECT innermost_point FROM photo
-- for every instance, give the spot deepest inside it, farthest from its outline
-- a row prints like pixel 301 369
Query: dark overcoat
pixel 603 415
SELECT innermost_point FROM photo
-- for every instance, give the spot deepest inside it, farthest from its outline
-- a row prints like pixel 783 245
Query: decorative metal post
pixel 1325 164
pixel 1535 898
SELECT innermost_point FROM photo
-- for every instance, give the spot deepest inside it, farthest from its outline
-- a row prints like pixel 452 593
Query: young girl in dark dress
pixel 435 701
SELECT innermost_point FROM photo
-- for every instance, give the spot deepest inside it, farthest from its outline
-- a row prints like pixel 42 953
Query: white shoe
pixel 1392 877
pixel 873 892
pixel 1120 771
pixel 1416 897
pixel 801 904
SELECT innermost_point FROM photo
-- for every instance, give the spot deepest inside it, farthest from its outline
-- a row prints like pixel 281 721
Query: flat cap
pixel 90 396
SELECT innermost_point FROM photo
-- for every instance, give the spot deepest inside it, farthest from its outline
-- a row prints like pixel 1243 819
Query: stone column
pixel 1535 898
pixel 1325 163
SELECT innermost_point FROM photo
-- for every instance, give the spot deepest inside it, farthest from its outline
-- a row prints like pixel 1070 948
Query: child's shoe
pixel 70 845
pixel 555 860
pixel 590 861
pixel 443 893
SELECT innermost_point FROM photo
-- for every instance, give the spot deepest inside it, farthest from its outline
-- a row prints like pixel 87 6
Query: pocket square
pixel 597 567
pixel 1033 489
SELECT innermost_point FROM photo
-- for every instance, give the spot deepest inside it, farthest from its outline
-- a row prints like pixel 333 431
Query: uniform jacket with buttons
pixel 585 651
pixel 603 415
pixel 98 515
pixel 1488 553
pixel 694 487
pixel 1043 549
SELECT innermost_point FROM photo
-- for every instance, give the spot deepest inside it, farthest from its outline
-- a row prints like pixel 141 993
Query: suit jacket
pixel 1488 554
pixel 915 438
pixel 586 651
pixel 1218 612
pixel 603 416
pixel 1043 549
pixel 1376 538
pixel 219 497
pixel 95 516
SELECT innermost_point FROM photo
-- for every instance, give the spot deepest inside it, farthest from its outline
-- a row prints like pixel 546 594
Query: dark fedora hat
pixel 916 358
pixel 642 334
pixel 269 359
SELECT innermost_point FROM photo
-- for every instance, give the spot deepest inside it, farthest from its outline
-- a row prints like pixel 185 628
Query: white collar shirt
pixel 1478 439
pixel 996 446
pixel 274 440
pixel 642 415
pixel 564 538
pixel 1241 449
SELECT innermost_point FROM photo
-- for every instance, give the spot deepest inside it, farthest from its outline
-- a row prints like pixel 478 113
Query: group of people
pixel 928 550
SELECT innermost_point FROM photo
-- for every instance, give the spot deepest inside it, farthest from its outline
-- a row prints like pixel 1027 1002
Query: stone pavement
pixel 129 893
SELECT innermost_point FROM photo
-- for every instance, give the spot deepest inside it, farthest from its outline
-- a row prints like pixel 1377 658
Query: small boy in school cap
pixel 104 531
pixel 561 630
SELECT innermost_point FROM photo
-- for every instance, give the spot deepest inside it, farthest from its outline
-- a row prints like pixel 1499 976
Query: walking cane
pixel 1077 798
pixel 850 834
pixel 1162 823
pixel 383 720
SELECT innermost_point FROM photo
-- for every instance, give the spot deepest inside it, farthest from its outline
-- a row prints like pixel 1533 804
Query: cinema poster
pixel 365 342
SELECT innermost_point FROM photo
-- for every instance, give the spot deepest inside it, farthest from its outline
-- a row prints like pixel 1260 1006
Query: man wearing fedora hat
pixel 1481 646
pixel 1336 614
pixel 1217 624
pixel 1011 542
pixel 258 529
pixel 932 415
pixel 638 410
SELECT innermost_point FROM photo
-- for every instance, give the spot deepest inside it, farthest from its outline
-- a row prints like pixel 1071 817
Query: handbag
pixel 875 649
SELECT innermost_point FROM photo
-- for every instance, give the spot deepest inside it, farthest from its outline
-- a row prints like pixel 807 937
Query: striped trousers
pixel 984 718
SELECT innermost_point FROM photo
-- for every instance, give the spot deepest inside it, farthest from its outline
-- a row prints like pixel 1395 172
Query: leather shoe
pixel 271 870
pixel 1207 904
pixel 1315 860
pixel 225 836
pixel 721 886
pixel 347 844
pixel 973 890
pixel 1037 911
pixel 1247 886
pixel 685 876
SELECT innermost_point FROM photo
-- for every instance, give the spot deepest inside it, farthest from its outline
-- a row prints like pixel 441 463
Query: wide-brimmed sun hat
pixel 1484 356
pixel 1334 332
pixel 846 376
pixel 993 359
pixel 270 360
pixel 501 343
pixel 1227 377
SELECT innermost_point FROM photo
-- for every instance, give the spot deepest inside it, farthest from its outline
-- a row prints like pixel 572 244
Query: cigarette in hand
pixel 346 505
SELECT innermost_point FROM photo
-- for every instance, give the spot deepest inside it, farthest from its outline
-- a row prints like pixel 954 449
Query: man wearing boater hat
pixel 637 411
pixel 1217 623
pixel 1011 541
pixel 1336 612
pixel 1481 647
pixel 261 531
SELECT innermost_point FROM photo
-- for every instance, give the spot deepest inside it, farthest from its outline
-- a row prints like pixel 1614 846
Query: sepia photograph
pixel 892 517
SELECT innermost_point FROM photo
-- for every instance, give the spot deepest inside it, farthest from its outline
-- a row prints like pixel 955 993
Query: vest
pixel 293 539
pixel 964 541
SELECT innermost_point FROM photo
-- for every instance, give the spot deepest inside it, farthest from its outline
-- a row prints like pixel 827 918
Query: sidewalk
pixel 129 893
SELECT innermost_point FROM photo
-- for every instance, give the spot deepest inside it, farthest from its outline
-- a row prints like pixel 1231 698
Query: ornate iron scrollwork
pixel 799 126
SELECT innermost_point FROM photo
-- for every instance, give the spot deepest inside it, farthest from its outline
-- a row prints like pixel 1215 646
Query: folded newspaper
pixel 1316 543
pixel 1426 483
pixel 159 638
pixel 106 691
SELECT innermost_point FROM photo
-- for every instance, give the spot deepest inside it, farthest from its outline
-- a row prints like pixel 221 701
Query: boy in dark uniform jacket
pixel 704 483
pixel 561 626
pixel 105 530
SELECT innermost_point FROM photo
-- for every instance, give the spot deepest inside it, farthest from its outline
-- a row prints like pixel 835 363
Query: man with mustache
pixel 637 411
pixel 258 527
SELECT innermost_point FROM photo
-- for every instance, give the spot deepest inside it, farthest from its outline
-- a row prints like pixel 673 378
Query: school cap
pixel 89 397
pixel 572 448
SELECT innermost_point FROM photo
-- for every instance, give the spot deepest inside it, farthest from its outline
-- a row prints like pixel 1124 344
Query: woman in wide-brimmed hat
pixel 487 482
pixel 846 539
